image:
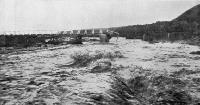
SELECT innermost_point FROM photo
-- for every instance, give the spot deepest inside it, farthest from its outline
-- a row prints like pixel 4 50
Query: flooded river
pixel 43 77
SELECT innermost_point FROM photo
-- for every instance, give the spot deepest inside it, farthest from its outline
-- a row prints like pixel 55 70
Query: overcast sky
pixel 35 15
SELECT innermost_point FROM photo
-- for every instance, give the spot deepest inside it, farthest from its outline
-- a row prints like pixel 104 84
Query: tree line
pixel 160 30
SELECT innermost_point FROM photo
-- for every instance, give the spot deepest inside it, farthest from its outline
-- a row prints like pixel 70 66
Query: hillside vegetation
pixel 185 26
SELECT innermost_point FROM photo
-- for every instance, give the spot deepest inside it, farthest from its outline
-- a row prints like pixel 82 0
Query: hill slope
pixel 183 27
pixel 191 15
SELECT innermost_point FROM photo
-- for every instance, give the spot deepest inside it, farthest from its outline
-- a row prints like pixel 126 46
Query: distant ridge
pixel 191 15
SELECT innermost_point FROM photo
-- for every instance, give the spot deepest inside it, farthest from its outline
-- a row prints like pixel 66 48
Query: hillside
pixel 183 27
pixel 191 15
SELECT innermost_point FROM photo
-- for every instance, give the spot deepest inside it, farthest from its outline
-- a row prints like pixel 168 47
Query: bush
pixel 184 71
pixel 84 58
pixel 81 59
pixel 148 90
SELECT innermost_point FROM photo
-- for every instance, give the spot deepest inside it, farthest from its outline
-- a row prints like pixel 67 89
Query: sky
pixel 53 15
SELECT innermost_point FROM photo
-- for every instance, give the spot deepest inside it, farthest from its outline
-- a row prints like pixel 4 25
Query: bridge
pixel 88 32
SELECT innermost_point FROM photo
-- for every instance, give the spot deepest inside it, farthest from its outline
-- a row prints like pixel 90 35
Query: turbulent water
pixel 43 77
